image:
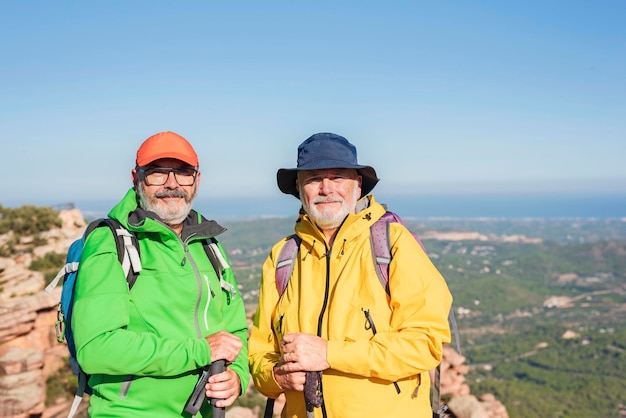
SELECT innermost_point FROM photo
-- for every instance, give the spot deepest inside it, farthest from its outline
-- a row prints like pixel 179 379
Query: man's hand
pixel 302 352
pixel 224 386
pixel 224 346
pixel 289 380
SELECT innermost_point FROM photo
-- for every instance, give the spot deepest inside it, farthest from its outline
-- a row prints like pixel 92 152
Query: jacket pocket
pixel 363 322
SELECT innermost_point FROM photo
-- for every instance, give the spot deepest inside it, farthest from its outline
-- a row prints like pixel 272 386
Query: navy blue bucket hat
pixel 321 151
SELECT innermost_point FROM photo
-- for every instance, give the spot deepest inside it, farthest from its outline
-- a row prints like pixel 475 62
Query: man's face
pixel 329 195
pixel 170 201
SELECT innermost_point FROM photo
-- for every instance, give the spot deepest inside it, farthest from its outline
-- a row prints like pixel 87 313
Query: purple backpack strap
pixel 286 261
pixel 381 250
pixel 381 247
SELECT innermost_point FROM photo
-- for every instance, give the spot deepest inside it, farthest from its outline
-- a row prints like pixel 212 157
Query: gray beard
pixel 169 216
pixel 333 220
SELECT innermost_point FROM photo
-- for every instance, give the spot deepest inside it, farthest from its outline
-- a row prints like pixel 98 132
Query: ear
pixel 134 177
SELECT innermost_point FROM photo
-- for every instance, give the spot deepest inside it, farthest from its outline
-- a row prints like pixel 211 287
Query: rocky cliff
pixel 29 351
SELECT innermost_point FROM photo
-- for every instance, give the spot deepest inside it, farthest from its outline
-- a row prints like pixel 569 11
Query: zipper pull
pixel 280 324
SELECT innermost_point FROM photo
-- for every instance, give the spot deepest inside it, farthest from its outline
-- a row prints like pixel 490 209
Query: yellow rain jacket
pixel 332 289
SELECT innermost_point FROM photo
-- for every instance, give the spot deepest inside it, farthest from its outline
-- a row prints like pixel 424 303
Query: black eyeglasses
pixel 157 176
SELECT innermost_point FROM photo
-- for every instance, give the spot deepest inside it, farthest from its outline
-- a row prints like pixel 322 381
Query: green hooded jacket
pixel 144 348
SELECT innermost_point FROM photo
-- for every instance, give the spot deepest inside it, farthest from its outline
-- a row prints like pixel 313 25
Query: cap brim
pixel 168 154
pixel 286 178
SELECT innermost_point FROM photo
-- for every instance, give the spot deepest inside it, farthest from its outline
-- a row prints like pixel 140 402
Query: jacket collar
pixel 368 211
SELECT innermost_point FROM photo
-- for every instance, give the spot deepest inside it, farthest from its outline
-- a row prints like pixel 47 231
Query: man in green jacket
pixel 374 348
pixel 145 348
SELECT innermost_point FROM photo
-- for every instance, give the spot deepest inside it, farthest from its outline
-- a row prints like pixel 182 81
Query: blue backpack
pixel 128 255
pixel 381 253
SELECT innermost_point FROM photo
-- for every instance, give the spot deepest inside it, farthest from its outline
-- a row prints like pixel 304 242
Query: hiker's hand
pixel 224 346
pixel 224 386
pixel 303 352
pixel 289 380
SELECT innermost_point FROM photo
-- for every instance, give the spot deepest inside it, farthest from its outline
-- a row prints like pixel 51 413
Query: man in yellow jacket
pixel 373 349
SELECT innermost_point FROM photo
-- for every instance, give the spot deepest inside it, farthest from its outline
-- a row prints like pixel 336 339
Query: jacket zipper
pixel 321 317
pixel 189 258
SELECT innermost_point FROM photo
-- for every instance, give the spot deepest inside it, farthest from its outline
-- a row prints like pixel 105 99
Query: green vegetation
pixel 60 384
pixel 49 264
pixel 515 346
pixel 28 219
pixel 25 221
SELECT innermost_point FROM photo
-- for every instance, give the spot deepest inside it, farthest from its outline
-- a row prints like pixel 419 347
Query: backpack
pixel 381 253
pixel 128 255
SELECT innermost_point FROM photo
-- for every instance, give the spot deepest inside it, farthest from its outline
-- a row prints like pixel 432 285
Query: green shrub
pixel 49 264
pixel 28 219
pixel 62 384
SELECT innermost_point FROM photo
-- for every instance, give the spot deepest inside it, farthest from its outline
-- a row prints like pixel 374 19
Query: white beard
pixel 327 219
pixel 170 215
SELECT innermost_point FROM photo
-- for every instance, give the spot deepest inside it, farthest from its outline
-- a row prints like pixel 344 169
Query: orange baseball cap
pixel 166 145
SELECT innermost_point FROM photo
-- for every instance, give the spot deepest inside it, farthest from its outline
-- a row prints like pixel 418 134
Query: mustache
pixel 331 199
pixel 171 193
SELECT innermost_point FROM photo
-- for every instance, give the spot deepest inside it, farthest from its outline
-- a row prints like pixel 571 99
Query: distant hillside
pixel 541 305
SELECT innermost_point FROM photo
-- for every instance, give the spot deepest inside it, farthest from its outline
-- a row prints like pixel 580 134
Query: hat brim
pixel 286 177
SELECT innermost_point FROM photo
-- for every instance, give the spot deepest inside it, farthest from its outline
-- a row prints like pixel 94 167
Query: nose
pixel 171 182
pixel 326 186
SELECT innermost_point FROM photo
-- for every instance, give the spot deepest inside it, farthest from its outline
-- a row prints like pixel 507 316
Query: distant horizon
pixel 565 204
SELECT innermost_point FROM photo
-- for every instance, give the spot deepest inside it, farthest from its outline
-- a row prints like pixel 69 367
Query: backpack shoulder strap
pixel 381 245
pixel 127 247
pixel 286 261
pixel 284 269
pixel 219 264
pixel 381 250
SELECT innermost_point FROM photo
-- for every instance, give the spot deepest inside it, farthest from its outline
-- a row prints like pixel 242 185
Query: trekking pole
pixel 199 393
pixel 218 366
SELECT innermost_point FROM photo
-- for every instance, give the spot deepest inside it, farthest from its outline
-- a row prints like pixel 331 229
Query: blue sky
pixel 439 96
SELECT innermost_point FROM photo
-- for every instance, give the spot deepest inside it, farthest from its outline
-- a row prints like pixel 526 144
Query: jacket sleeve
pixel 263 345
pixel 234 315
pixel 411 342
pixel 101 318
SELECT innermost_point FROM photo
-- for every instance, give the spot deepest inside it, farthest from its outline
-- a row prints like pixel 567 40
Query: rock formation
pixel 29 351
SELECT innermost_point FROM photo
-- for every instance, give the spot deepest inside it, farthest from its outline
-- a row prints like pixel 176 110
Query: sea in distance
pixel 496 205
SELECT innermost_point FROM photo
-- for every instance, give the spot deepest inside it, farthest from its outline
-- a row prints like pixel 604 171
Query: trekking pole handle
pixel 218 366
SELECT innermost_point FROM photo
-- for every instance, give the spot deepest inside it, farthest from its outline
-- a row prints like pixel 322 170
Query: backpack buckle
pixel 59 325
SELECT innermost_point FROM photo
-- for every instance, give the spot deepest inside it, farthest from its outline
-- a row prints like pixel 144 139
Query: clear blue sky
pixel 447 96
